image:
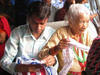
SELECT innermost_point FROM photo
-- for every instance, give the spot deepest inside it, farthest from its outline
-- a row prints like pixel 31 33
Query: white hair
pixel 75 10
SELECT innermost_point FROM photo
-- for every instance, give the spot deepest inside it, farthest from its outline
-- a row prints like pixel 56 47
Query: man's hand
pixel 49 60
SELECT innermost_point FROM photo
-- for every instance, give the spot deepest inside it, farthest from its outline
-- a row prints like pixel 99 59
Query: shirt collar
pixel 28 31
pixel 42 36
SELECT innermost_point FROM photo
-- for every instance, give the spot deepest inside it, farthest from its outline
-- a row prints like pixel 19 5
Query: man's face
pixel 37 25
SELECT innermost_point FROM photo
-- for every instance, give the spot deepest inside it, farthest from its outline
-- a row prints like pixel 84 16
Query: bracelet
pixel 54 50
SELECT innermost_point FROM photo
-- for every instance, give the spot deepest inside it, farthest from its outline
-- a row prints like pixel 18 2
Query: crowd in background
pixel 15 10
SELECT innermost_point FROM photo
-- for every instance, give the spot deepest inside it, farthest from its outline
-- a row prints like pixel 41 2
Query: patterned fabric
pixel 93 59
pixel 70 55
pixel 44 71
pixel 23 43
pixel 74 73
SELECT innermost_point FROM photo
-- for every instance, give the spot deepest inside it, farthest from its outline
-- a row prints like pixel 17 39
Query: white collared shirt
pixel 23 43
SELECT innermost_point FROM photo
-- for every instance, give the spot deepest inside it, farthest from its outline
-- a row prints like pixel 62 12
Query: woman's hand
pixel 64 43
pixel 49 60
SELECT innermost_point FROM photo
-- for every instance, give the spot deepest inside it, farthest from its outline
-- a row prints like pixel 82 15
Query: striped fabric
pixel 44 71
pixel 74 73
pixel 93 59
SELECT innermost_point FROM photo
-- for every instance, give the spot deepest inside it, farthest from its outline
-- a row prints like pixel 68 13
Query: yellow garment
pixel 63 33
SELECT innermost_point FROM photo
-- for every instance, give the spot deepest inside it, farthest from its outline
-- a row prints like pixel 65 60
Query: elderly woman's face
pixel 80 23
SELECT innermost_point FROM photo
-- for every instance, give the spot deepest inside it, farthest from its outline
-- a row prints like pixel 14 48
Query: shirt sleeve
pixel 54 40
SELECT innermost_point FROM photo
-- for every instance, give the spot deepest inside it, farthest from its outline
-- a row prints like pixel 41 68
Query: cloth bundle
pixel 69 54
pixel 44 71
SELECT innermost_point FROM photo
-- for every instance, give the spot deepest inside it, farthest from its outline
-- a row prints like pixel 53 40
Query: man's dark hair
pixel 78 1
pixel 39 9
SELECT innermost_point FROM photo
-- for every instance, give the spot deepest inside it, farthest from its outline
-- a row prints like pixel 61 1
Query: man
pixel 28 40
pixel 20 8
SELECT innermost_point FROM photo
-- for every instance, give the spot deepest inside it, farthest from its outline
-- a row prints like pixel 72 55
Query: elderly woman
pixel 73 61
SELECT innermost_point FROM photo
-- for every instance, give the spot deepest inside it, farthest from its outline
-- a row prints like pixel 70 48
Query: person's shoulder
pixel 96 41
pixel 97 38
pixel 48 28
pixel 20 29
pixel 48 31
pixel 62 28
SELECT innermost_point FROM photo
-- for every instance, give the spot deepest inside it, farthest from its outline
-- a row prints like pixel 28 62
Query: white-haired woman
pixel 73 61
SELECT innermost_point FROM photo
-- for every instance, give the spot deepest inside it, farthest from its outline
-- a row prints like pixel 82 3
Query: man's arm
pixel 28 67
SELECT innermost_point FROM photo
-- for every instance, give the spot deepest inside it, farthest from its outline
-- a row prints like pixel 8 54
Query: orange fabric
pixel 4 26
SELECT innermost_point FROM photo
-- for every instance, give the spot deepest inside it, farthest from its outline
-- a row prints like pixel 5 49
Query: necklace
pixel 81 62
pixel 79 59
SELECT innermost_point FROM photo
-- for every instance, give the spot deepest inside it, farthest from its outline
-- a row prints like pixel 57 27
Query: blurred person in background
pixel 60 14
